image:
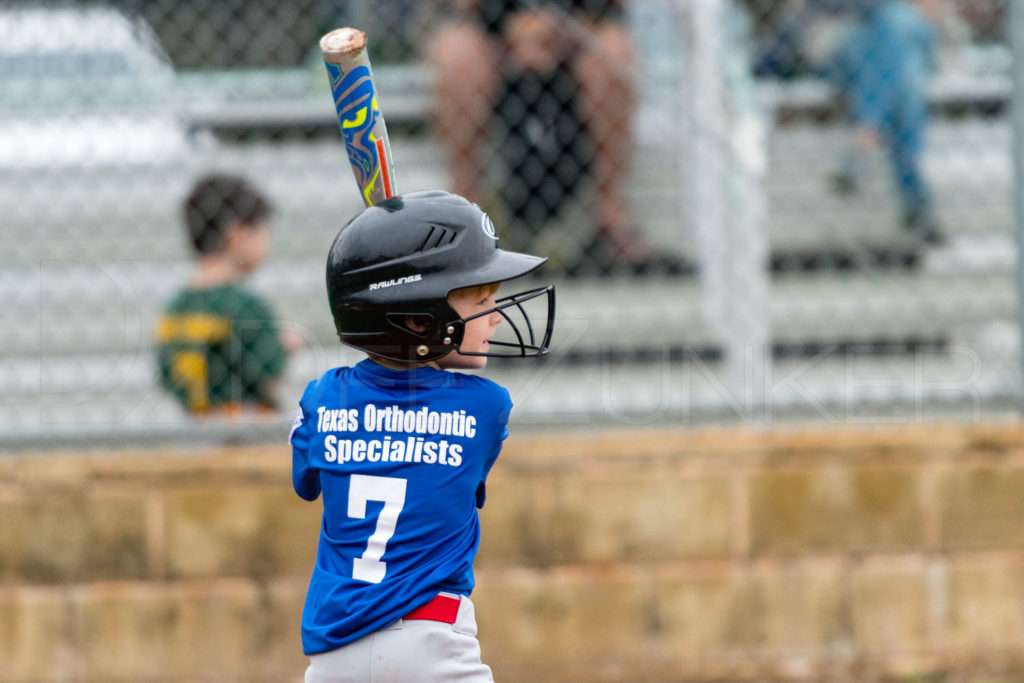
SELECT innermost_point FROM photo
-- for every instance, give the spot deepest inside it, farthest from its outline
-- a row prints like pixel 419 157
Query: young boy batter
pixel 399 446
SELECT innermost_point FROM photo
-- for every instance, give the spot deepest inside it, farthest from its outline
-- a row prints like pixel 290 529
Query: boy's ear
pixel 230 234
pixel 418 323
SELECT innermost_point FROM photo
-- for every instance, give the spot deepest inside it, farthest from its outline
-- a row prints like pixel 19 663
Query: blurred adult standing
pixel 883 66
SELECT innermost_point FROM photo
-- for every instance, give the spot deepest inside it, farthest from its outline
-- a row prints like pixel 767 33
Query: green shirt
pixel 219 346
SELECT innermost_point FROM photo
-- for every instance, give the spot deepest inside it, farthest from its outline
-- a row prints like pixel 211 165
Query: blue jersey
pixel 401 458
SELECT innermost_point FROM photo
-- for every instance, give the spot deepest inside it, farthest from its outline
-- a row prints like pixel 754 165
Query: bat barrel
pixel 359 116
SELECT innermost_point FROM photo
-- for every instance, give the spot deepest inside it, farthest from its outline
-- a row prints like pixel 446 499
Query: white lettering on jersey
pixel 393 422
pixel 422 421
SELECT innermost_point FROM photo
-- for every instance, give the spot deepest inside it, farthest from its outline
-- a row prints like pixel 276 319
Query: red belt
pixel 443 608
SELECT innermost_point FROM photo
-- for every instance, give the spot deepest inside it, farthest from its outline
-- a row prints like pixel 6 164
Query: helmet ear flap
pixel 424 334
pixel 419 325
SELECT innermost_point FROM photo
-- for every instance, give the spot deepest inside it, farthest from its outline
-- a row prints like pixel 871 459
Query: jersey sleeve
pixel 305 478
pixel 503 410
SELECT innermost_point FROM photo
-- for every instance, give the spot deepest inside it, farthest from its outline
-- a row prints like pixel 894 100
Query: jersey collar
pixel 374 373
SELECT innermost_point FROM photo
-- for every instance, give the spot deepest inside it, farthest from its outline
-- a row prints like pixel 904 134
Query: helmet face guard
pixel 525 346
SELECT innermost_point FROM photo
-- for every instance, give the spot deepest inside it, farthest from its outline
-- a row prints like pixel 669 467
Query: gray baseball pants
pixel 408 651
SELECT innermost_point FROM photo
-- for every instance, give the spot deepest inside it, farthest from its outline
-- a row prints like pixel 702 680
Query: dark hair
pixel 217 201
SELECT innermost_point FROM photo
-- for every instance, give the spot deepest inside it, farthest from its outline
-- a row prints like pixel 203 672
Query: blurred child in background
pixel 221 351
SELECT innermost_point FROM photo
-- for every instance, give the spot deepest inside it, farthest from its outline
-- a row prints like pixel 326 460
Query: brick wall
pixel 618 556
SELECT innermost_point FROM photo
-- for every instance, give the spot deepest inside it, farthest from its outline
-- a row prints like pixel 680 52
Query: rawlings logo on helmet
pixel 396 281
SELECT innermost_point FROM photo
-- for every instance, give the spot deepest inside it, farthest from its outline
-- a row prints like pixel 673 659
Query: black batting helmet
pixel 403 256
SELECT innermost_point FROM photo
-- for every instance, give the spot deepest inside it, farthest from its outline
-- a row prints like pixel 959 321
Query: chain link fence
pixel 754 211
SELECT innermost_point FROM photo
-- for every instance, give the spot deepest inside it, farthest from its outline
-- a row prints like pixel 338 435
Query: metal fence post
pixel 1015 33
pixel 729 209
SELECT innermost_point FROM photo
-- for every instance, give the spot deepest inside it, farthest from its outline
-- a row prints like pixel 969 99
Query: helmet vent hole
pixel 437 237
pixel 427 239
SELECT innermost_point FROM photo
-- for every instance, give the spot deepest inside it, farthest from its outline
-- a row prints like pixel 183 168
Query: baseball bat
pixel 359 115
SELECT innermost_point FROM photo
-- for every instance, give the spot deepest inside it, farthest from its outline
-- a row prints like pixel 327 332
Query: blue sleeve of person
pixel 305 478
pixel 503 411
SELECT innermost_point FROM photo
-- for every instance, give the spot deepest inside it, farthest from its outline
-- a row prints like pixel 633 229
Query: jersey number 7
pixel 389 490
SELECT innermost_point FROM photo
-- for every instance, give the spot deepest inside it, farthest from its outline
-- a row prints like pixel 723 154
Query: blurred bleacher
pixel 919 332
